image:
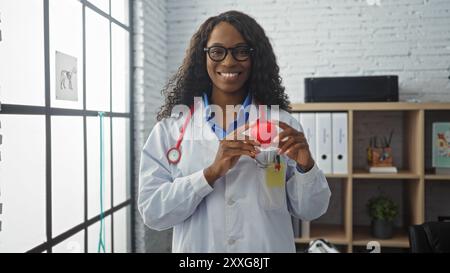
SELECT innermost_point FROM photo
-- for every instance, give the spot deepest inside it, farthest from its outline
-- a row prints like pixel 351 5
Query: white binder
pixel 340 140
pixel 323 145
pixel 306 232
pixel 308 122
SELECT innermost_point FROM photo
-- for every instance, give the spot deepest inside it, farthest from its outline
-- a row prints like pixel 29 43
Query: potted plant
pixel 382 210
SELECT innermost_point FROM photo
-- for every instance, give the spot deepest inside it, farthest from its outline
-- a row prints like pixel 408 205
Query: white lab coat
pixel 239 213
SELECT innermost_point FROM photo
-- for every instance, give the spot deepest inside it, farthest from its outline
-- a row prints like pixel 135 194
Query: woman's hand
pixel 293 144
pixel 229 152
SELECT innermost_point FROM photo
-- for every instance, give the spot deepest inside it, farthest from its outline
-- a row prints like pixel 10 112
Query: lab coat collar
pixel 242 116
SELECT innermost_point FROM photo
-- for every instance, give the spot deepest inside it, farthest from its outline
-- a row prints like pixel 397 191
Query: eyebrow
pixel 238 44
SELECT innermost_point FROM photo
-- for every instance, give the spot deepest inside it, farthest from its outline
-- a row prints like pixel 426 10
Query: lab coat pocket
pixel 272 191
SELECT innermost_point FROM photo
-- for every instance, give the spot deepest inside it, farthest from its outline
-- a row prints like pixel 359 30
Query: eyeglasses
pixel 219 53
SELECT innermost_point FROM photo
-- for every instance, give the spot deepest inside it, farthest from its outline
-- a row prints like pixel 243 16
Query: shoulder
pixel 167 125
pixel 161 134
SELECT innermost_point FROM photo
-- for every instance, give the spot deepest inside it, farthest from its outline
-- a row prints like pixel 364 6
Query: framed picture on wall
pixel 441 147
pixel 66 77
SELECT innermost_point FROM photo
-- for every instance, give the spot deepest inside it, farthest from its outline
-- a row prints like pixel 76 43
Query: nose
pixel 229 59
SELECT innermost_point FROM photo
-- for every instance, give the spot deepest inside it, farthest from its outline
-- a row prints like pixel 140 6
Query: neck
pixel 223 99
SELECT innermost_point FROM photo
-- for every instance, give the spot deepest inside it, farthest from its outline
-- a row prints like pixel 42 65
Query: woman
pixel 211 187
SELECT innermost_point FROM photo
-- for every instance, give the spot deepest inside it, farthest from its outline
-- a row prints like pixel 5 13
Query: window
pixel 22 53
pixel 67 173
pixel 97 62
pixel 22 172
pixel 50 151
pixel 74 244
pixel 103 5
pixel 120 10
pixel 66 36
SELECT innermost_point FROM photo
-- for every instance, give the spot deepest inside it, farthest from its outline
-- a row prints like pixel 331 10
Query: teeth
pixel 229 75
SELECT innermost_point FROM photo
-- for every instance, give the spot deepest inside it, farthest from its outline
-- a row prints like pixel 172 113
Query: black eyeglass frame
pixel 232 49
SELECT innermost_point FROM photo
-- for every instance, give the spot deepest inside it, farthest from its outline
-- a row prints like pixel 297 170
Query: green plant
pixel 382 208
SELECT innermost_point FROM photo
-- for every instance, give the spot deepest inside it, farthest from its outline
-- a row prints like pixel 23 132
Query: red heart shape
pixel 263 131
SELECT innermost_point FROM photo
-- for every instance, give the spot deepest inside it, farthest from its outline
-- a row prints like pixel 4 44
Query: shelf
pixel 437 177
pixel 362 236
pixel 335 234
pixel 368 106
pixel 419 185
pixel 402 174
pixel 332 175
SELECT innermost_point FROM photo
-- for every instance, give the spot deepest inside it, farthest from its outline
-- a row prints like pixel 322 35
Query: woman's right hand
pixel 229 151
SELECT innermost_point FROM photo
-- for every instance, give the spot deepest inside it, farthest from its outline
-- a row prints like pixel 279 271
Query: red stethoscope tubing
pixel 176 148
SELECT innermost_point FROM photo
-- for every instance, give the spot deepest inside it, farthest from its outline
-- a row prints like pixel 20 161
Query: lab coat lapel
pixel 199 146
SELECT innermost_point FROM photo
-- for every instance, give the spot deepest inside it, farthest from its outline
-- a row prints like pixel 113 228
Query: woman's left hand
pixel 293 144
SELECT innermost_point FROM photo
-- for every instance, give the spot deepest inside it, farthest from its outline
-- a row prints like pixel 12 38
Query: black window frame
pixel 49 112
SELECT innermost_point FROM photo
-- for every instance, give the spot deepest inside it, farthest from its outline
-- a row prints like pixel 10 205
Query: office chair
pixel 430 237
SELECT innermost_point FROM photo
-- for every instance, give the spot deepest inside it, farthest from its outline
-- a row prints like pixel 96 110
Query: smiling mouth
pixel 229 75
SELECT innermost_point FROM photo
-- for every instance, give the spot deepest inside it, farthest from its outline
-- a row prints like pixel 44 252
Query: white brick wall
pixel 410 38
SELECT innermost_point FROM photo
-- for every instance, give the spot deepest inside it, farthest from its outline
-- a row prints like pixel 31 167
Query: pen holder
pixel 379 157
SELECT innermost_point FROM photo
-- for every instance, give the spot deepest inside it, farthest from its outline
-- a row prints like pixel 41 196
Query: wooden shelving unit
pixel 362 236
pixel 402 174
pixel 335 234
pixel 416 119
pixel 437 177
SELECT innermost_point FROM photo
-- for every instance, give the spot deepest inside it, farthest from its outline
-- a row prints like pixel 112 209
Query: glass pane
pixel 66 36
pixel 22 183
pixel 122 231
pixel 74 244
pixel 120 69
pixel 101 4
pixel 22 52
pixel 94 235
pixel 120 10
pixel 93 163
pixel 67 173
pixel 97 62
pixel 121 157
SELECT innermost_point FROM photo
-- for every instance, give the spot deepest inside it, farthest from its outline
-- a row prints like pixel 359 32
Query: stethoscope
pixel 174 153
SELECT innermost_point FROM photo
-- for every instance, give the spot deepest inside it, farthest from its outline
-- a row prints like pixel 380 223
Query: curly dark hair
pixel 192 79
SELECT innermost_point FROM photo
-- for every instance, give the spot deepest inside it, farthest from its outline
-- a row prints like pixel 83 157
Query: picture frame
pixel 441 145
pixel 66 70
